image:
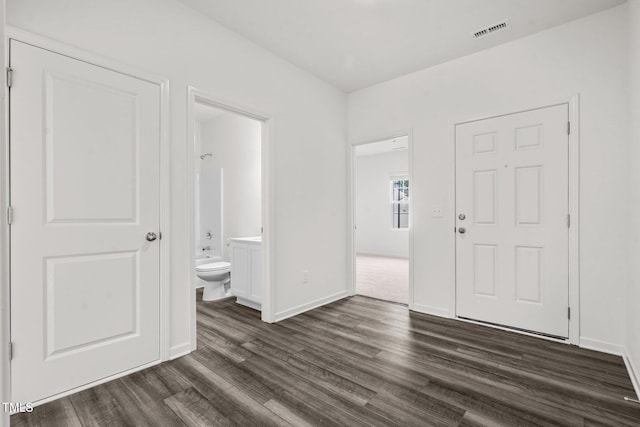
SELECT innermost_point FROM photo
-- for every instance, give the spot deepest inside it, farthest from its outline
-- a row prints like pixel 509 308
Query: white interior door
pixel 512 194
pixel 84 191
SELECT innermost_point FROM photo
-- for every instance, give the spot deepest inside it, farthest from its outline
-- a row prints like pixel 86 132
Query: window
pixel 400 202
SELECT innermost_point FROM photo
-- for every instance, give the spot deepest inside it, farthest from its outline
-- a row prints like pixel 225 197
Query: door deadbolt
pixel 462 230
pixel 151 236
pixel 462 217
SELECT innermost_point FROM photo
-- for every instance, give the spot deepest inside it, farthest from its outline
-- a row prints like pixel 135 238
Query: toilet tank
pixel 206 259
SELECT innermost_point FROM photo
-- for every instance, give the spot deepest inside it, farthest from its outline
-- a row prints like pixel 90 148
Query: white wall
pixel 588 56
pixel 374 234
pixel 633 296
pixel 309 160
pixel 235 142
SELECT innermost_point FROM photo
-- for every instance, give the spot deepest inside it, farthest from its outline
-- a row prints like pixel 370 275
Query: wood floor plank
pixel 97 407
pixel 286 414
pixel 357 362
pixel 195 410
pixel 348 389
pixel 57 413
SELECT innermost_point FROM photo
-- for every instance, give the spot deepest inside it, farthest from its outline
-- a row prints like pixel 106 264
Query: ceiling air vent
pixel 490 30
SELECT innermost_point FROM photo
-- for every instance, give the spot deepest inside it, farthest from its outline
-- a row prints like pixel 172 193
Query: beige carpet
pixel 383 278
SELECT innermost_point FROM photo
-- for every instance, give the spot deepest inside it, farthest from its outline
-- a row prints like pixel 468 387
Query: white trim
pixel 351 211
pixel 602 346
pixel 268 197
pixel 431 310
pixel 573 206
pixel 165 221
pixel 76 53
pixel 451 223
pixel 5 367
pixel 618 350
pixel 191 214
pixel 310 305
pixel 96 383
pixel 165 179
pixel 351 223
pixel 412 192
pixel 522 109
pixel 180 350
pixel 633 372
pixel 574 211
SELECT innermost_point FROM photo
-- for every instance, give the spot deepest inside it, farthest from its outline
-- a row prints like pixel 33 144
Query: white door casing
pixel 512 185
pixel 85 179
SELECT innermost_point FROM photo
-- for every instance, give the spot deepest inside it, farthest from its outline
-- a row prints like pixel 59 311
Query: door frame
pixel 268 245
pixel 78 54
pixel 573 104
pixel 351 208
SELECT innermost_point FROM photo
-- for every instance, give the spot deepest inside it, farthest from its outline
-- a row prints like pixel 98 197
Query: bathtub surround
pixel 235 144
pixel 209 237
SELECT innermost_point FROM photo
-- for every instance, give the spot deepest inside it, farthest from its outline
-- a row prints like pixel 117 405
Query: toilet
pixel 216 274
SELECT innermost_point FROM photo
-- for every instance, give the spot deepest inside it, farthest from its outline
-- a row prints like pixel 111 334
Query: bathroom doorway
pixel 229 214
pixel 382 192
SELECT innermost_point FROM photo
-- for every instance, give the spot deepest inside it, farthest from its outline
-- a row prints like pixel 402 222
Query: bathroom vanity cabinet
pixel 246 270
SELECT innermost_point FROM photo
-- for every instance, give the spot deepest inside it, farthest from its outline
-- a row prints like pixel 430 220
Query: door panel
pixel 84 189
pixel 512 187
pixel 101 188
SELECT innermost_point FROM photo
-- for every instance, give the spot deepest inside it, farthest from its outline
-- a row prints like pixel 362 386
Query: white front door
pixel 512 194
pixel 84 191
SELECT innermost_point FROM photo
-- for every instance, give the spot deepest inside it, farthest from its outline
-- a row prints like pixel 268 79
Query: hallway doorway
pixel 381 189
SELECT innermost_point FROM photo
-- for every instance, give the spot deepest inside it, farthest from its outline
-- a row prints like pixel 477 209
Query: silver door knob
pixel 462 217
pixel 151 236
pixel 462 230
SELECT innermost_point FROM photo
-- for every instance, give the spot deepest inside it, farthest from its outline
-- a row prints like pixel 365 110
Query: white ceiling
pixel 354 44
pixel 381 147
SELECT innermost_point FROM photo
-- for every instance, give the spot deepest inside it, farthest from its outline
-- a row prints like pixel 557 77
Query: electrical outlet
pixel 437 212
pixel 305 277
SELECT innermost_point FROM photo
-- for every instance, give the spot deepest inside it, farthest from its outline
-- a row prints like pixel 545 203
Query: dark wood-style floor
pixel 356 362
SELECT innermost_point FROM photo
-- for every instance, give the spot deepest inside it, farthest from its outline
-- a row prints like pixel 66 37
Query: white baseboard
pixel 603 346
pixel 434 311
pixel 633 372
pixel 179 350
pixel 310 306
pixel 618 350
pixel 386 255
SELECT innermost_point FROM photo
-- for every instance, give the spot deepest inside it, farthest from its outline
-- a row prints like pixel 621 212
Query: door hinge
pixel 568 220
pixel 9 77
pixel 569 313
pixel 10 351
pixel 10 215
pixel 568 128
